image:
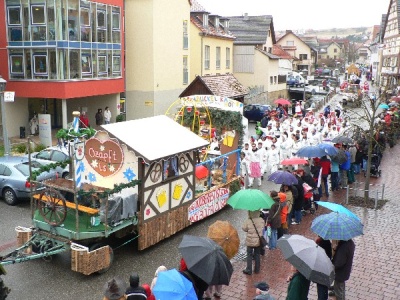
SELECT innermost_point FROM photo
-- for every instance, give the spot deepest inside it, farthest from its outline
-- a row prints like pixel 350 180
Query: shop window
pixel 40 64
pixel 14 15
pixel 38 15
pixel 17 64
pixel 86 64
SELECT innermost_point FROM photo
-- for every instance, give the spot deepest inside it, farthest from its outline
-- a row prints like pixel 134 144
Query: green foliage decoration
pixel 48 168
pixel 234 187
pixel 117 189
pixel 67 134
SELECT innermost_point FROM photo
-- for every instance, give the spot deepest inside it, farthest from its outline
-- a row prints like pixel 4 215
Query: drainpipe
pixel 201 55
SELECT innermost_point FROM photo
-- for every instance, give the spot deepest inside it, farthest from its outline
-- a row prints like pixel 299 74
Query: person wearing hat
pixel 134 291
pixel 114 289
pixel 274 219
pixel 262 291
pixel 273 158
pixel 254 166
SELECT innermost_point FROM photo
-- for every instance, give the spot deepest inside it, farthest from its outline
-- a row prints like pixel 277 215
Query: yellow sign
pixel 148 103
pixel 176 195
pixel 161 198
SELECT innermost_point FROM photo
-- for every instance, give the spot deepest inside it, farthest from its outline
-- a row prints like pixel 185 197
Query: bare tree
pixel 365 122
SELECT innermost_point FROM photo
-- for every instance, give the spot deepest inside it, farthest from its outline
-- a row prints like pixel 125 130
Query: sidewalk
pixel 375 273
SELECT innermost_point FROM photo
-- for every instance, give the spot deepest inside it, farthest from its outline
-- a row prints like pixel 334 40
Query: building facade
pixel 61 56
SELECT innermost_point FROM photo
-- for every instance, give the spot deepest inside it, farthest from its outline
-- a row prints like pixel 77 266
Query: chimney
pixel 246 17
pixel 288 31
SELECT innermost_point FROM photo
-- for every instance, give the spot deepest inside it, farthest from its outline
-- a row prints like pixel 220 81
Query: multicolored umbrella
pixel 337 226
pixel 308 258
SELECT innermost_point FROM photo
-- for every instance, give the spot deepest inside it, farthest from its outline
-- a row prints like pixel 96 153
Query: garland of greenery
pixel 48 168
pixel 117 189
pixel 69 133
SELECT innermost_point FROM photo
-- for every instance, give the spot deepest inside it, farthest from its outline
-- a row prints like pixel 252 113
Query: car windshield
pixel 24 167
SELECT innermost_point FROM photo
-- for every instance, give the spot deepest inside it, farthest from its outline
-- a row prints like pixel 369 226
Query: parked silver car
pixel 52 155
pixel 14 174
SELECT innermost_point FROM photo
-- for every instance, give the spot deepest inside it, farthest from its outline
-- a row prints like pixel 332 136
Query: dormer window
pixel 205 20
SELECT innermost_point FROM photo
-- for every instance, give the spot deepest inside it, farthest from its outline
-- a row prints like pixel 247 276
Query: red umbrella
pixel 395 99
pixel 201 172
pixel 283 102
pixel 294 161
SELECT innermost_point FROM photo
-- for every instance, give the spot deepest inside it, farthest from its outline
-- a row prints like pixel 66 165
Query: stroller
pixel 374 167
pixel 309 202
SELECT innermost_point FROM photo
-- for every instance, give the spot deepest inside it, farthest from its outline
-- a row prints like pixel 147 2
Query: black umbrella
pixel 340 157
pixel 341 139
pixel 206 259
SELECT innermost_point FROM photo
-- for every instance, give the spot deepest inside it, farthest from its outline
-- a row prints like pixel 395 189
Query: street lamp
pixel 6 143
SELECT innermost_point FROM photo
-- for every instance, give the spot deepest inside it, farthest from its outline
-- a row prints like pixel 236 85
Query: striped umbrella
pixel 337 226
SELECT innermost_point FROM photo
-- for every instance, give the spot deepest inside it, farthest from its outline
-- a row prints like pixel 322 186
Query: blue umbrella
pixel 310 151
pixel 283 177
pixel 328 148
pixel 384 106
pixel 337 226
pixel 338 208
pixel 173 285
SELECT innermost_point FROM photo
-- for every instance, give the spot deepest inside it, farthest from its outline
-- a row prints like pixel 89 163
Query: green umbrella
pixel 250 199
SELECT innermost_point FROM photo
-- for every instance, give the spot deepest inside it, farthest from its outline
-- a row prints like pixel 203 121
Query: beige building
pixel 304 54
pixel 254 64
pixel 157 55
pixel 211 43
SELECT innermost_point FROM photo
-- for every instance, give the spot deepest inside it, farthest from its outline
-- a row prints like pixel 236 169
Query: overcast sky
pixel 305 14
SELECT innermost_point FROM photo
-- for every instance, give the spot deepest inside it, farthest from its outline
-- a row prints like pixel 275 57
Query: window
pixel 102 64
pixel 101 26
pixel 335 50
pixel 303 56
pixel 185 70
pixel 85 16
pixel 170 168
pixel 14 15
pixel 218 57
pixel 271 79
pixel 185 35
pixel 228 58
pixel 40 64
pixel 17 64
pixel 207 57
pixel 116 25
pixel 116 65
pixel 289 43
pixel 38 15
pixel 86 63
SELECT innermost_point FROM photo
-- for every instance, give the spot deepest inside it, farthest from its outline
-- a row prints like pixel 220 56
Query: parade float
pixel 141 180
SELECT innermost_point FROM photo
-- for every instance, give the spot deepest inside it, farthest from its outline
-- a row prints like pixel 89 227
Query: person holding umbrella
pixel 299 286
pixel 343 262
pixel 253 227
pixel 322 290
pixel 274 219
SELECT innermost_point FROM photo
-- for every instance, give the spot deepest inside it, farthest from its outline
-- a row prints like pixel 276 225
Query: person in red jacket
pixel 325 164
pixel 84 120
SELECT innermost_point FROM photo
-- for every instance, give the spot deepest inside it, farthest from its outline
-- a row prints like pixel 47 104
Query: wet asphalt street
pixel 41 280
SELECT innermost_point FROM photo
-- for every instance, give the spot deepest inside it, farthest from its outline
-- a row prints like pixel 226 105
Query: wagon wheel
pixel 52 206
pixel 156 172
pixel 183 164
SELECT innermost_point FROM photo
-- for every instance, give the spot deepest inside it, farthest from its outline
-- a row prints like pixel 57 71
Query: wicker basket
pixel 88 262
pixel 23 235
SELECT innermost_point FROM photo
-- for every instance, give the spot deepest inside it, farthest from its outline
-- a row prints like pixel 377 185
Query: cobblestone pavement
pixel 375 273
